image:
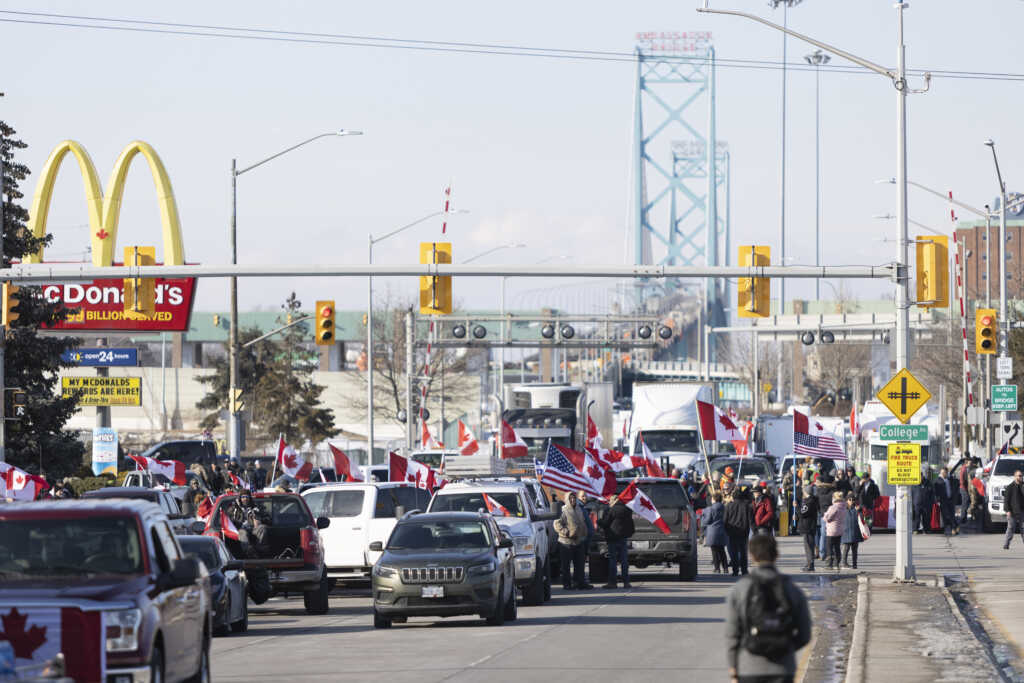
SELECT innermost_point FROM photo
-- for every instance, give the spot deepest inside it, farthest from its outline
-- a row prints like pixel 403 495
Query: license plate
pixel 432 592
pixel 643 545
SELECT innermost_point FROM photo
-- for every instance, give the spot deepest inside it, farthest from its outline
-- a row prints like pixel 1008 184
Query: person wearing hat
pixel 851 532
pixel 764 511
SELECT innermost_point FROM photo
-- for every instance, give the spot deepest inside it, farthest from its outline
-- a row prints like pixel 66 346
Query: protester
pixel 218 480
pixel 588 520
pixel 1013 499
pixel 921 497
pixel 976 493
pixel 617 523
pixel 868 492
pixel 738 517
pixel 571 530
pixel 714 533
pixel 807 526
pixel 768 620
pixel 842 482
pixel 946 494
pixel 823 490
pixel 851 532
pixel 259 477
pixel 835 522
pixel 764 512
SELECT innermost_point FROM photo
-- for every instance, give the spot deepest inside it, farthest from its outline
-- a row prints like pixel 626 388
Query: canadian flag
pixel 637 501
pixel 413 472
pixel 601 478
pixel 854 427
pixel 716 425
pixel 17 484
pixel 884 514
pixel 427 440
pixel 593 434
pixel 743 447
pixel 172 469
pixel 616 461
pixel 291 463
pixel 648 462
pixel 235 481
pixel 228 527
pixel 468 444
pixel 342 465
pixel 494 507
pixel 512 445
pixel 205 508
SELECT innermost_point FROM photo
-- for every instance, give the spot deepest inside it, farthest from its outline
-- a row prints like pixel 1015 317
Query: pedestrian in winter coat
pixel 714 532
pixel 869 492
pixel 764 512
pixel 744 664
pixel 946 494
pixel 843 484
pixel 835 521
pixel 851 532
pixel 739 517
pixel 588 520
pixel 807 526
pixel 976 491
pixel 617 523
pixel 571 530
pixel 1013 498
pixel 824 490
pixel 921 499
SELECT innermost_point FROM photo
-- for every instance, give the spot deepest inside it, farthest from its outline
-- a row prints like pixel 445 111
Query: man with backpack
pixel 768 620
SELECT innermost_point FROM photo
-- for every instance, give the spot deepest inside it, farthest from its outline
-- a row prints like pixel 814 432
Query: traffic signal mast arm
pixel 278 330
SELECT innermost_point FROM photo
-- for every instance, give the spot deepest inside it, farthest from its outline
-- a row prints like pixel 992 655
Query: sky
pixel 538 149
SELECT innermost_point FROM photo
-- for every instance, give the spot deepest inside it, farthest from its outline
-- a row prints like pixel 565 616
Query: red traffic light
pixel 326 312
pixel 987 320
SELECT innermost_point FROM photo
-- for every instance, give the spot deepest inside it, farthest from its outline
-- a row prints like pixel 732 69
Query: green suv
pixel 444 564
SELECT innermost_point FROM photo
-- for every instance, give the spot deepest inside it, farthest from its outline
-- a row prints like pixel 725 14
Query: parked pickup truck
pixel 103 586
pixel 294 558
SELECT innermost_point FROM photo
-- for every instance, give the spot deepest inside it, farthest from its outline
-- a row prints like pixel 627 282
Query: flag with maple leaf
pixel 716 425
pixel 228 527
pixel 600 478
pixel 291 463
pixel 17 484
pixel 413 472
pixel 205 508
pixel 512 445
pixel 638 501
pixel 427 440
pixel 235 481
pixel 648 462
pixel 593 434
pixel 494 507
pixel 34 633
pixel 172 469
pixel 468 445
pixel 342 465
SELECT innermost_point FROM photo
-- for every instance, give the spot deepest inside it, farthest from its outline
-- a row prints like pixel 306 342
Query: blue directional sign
pixel 102 357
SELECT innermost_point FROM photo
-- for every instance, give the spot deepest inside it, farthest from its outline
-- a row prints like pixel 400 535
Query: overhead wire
pixel 495 49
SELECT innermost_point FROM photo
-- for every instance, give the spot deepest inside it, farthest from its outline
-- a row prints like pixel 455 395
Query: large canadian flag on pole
pixel 468 444
pixel 648 462
pixel 413 472
pixel 637 501
pixel 716 425
pixel 600 477
pixel 342 465
pixel 291 463
pixel 427 440
pixel 172 469
pixel 18 484
pixel 512 445
pixel 593 434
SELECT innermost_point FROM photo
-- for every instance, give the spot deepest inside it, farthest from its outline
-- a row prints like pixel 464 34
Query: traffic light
pixel 216 320
pixel 932 271
pixel 985 330
pixel 10 303
pixel 324 323
pixel 435 291
pixel 754 293
pixel 139 293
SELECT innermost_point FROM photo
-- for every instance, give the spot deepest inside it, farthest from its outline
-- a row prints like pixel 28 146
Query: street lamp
pixel 1002 255
pixel 233 431
pixel 371 240
pixel 816 59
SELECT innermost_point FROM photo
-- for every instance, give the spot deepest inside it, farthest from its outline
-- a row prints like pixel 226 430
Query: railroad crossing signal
pixel 903 395
pixel 11 301
pixel 139 293
pixel 932 271
pixel 435 291
pixel 754 293
pixel 985 323
pixel 324 323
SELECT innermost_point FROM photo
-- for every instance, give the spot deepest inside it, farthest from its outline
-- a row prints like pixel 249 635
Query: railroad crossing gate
pixel 903 395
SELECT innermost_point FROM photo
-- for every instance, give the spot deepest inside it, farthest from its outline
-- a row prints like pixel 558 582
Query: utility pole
pixel 3 328
pixel 234 449
pixel 1004 324
pixel 410 420
pixel 816 59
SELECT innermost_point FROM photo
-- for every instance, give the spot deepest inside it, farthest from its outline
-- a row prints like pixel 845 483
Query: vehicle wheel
pixel 203 675
pixel 156 665
pixel 317 601
pixel 242 625
pixel 497 617
pixel 511 608
pixel 534 593
pixel 547 582
pixel 688 570
pixel 380 621
pixel 598 569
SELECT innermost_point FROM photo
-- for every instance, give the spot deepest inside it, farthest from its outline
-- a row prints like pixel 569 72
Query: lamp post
pixel 816 59
pixel 1003 325
pixel 371 240
pixel 233 430
pixel 904 566
pixel 501 349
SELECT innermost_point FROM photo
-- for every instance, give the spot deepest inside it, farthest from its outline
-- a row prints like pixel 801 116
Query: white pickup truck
pixel 360 514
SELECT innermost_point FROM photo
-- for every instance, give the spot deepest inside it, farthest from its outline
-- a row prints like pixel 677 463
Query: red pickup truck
pixel 101 589
pixel 294 555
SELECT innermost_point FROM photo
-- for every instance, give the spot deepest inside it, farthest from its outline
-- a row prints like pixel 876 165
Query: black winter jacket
pixel 617 522
pixel 739 517
pixel 1013 497
pixel 807 515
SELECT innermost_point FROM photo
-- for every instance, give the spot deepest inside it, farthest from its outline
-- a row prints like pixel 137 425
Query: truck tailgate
pixel 274 563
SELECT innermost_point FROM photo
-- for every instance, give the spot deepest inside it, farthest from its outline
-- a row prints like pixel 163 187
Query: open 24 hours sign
pixel 103 391
pixel 99 305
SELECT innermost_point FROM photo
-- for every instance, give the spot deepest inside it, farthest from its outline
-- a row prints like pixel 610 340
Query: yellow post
pixel 784 521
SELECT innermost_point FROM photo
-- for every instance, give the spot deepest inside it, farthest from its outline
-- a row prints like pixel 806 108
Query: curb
pixel 855 671
pixel 966 625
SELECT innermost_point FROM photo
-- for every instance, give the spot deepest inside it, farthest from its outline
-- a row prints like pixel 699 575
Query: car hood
pixel 99 590
pixel 418 558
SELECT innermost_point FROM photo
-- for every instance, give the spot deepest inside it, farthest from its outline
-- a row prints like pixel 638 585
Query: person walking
pixel 768 620
pixel 588 519
pixel 259 477
pixel 1013 499
pixel 921 498
pixel 738 518
pixel 571 530
pixel 976 492
pixel 868 493
pixel 714 533
pixel 835 521
pixel 807 526
pixel 946 493
pixel 617 523
pixel 823 490
pixel 764 512
pixel 851 532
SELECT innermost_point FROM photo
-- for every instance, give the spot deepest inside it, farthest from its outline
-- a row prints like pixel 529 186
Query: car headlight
pixel 382 572
pixel 524 544
pixel 483 568
pixel 122 627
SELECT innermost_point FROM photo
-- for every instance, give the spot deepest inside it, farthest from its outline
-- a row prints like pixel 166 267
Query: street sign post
pixel 1004 368
pixel 903 395
pixel 1004 397
pixel 909 433
pixel 904 464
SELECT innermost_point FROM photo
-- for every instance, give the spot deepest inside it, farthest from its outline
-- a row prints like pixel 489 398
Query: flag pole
pixel 703 450
pixel 276 457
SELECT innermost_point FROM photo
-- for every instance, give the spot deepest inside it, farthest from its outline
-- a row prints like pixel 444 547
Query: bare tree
pixel 834 368
pixel 737 353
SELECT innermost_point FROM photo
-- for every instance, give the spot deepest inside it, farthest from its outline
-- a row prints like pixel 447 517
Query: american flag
pixel 811 438
pixel 560 474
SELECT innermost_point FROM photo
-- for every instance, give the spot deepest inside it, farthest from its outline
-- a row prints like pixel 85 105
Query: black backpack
pixel 770 622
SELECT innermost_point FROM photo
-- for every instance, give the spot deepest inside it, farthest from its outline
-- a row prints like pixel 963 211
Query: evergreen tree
pixel 252 367
pixel 32 361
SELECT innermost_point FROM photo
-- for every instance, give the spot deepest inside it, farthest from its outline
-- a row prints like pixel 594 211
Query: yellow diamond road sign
pixel 903 395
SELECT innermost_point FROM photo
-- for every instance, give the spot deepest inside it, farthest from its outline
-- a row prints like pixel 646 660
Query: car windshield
pixel 432 458
pixel 537 446
pixel 499 504
pixel 439 535
pixel 207 552
pixel 743 468
pixel 335 503
pixel 69 548
pixel 676 440
pixel 1005 467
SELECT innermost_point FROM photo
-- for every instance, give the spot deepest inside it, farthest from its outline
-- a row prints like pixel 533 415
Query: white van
pixel 360 514
pixel 999 479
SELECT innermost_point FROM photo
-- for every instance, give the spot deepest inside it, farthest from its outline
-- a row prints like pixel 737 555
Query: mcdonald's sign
pixel 99 303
